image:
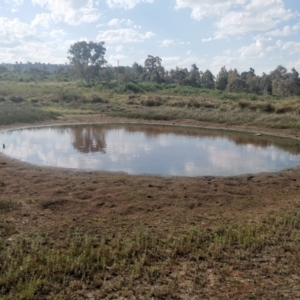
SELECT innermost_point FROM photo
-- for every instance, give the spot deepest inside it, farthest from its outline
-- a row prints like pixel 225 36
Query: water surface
pixel 151 149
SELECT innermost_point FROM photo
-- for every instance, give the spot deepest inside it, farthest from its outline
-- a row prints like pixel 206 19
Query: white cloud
pixel 114 22
pixel 290 47
pixel 238 17
pixel 260 54
pixel 118 22
pixel 119 48
pixel 112 59
pixel 177 61
pixel 207 8
pixel 14 2
pixel 123 36
pixel 126 4
pixel 257 49
pixel 285 31
pixel 72 12
pixel 33 51
pixel 207 40
pixel 44 20
pixel 58 34
pixel 167 43
pixel 257 16
pixel 13 32
pixel 294 64
pixel 19 42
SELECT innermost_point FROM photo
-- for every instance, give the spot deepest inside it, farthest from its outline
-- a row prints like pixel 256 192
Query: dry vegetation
pixel 81 243
pixel 49 99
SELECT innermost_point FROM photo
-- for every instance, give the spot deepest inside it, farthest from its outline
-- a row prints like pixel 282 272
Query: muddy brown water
pixel 151 149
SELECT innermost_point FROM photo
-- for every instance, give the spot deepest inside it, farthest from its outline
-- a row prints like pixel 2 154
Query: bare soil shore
pixel 52 196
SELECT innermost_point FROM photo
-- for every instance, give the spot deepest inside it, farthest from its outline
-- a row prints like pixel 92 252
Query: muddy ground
pixel 53 199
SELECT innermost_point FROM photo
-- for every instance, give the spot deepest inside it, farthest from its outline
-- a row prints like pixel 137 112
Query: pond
pixel 151 149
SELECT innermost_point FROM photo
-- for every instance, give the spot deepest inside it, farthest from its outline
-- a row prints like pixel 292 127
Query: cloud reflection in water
pixel 155 149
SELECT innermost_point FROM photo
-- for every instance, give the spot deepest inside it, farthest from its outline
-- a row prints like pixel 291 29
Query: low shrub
pixel 34 101
pixel 97 99
pixel 135 88
pixel 16 99
pixel 153 101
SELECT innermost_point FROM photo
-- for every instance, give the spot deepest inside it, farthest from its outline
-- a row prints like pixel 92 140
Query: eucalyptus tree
pixel 235 83
pixel 266 84
pixel 107 73
pixel 285 83
pixel 278 76
pixel 3 69
pixel 87 58
pixel 152 63
pixel 222 79
pixel 178 75
pixel 208 80
pixel 194 76
pixel 18 68
pixel 137 70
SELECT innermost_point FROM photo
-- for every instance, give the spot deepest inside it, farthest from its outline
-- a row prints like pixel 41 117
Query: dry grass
pixel 243 260
pixel 201 105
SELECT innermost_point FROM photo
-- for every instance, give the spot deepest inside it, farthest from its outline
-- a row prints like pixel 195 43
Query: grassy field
pixel 254 256
pixel 49 99
pixel 248 260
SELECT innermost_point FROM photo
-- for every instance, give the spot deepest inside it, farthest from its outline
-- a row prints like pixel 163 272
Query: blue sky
pixel 261 34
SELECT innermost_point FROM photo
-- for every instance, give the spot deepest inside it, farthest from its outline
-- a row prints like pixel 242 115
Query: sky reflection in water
pixel 155 149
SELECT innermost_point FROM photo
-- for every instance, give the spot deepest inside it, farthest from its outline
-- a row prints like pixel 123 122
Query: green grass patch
pixel 59 110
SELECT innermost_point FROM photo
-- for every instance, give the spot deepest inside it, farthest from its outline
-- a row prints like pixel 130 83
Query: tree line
pixel 87 62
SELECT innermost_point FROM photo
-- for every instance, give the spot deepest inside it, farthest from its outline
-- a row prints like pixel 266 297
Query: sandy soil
pixel 53 199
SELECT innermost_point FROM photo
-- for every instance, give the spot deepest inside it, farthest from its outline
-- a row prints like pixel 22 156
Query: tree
pixel 222 79
pixel 178 75
pixel 235 83
pixel 266 84
pixel 254 85
pixel 152 63
pixel 284 83
pixel 194 76
pixel 246 75
pixel 155 77
pixel 87 58
pixel 138 70
pixel 37 74
pixel 17 68
pixel 208 80
pixel 3 69
pixel 107 73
